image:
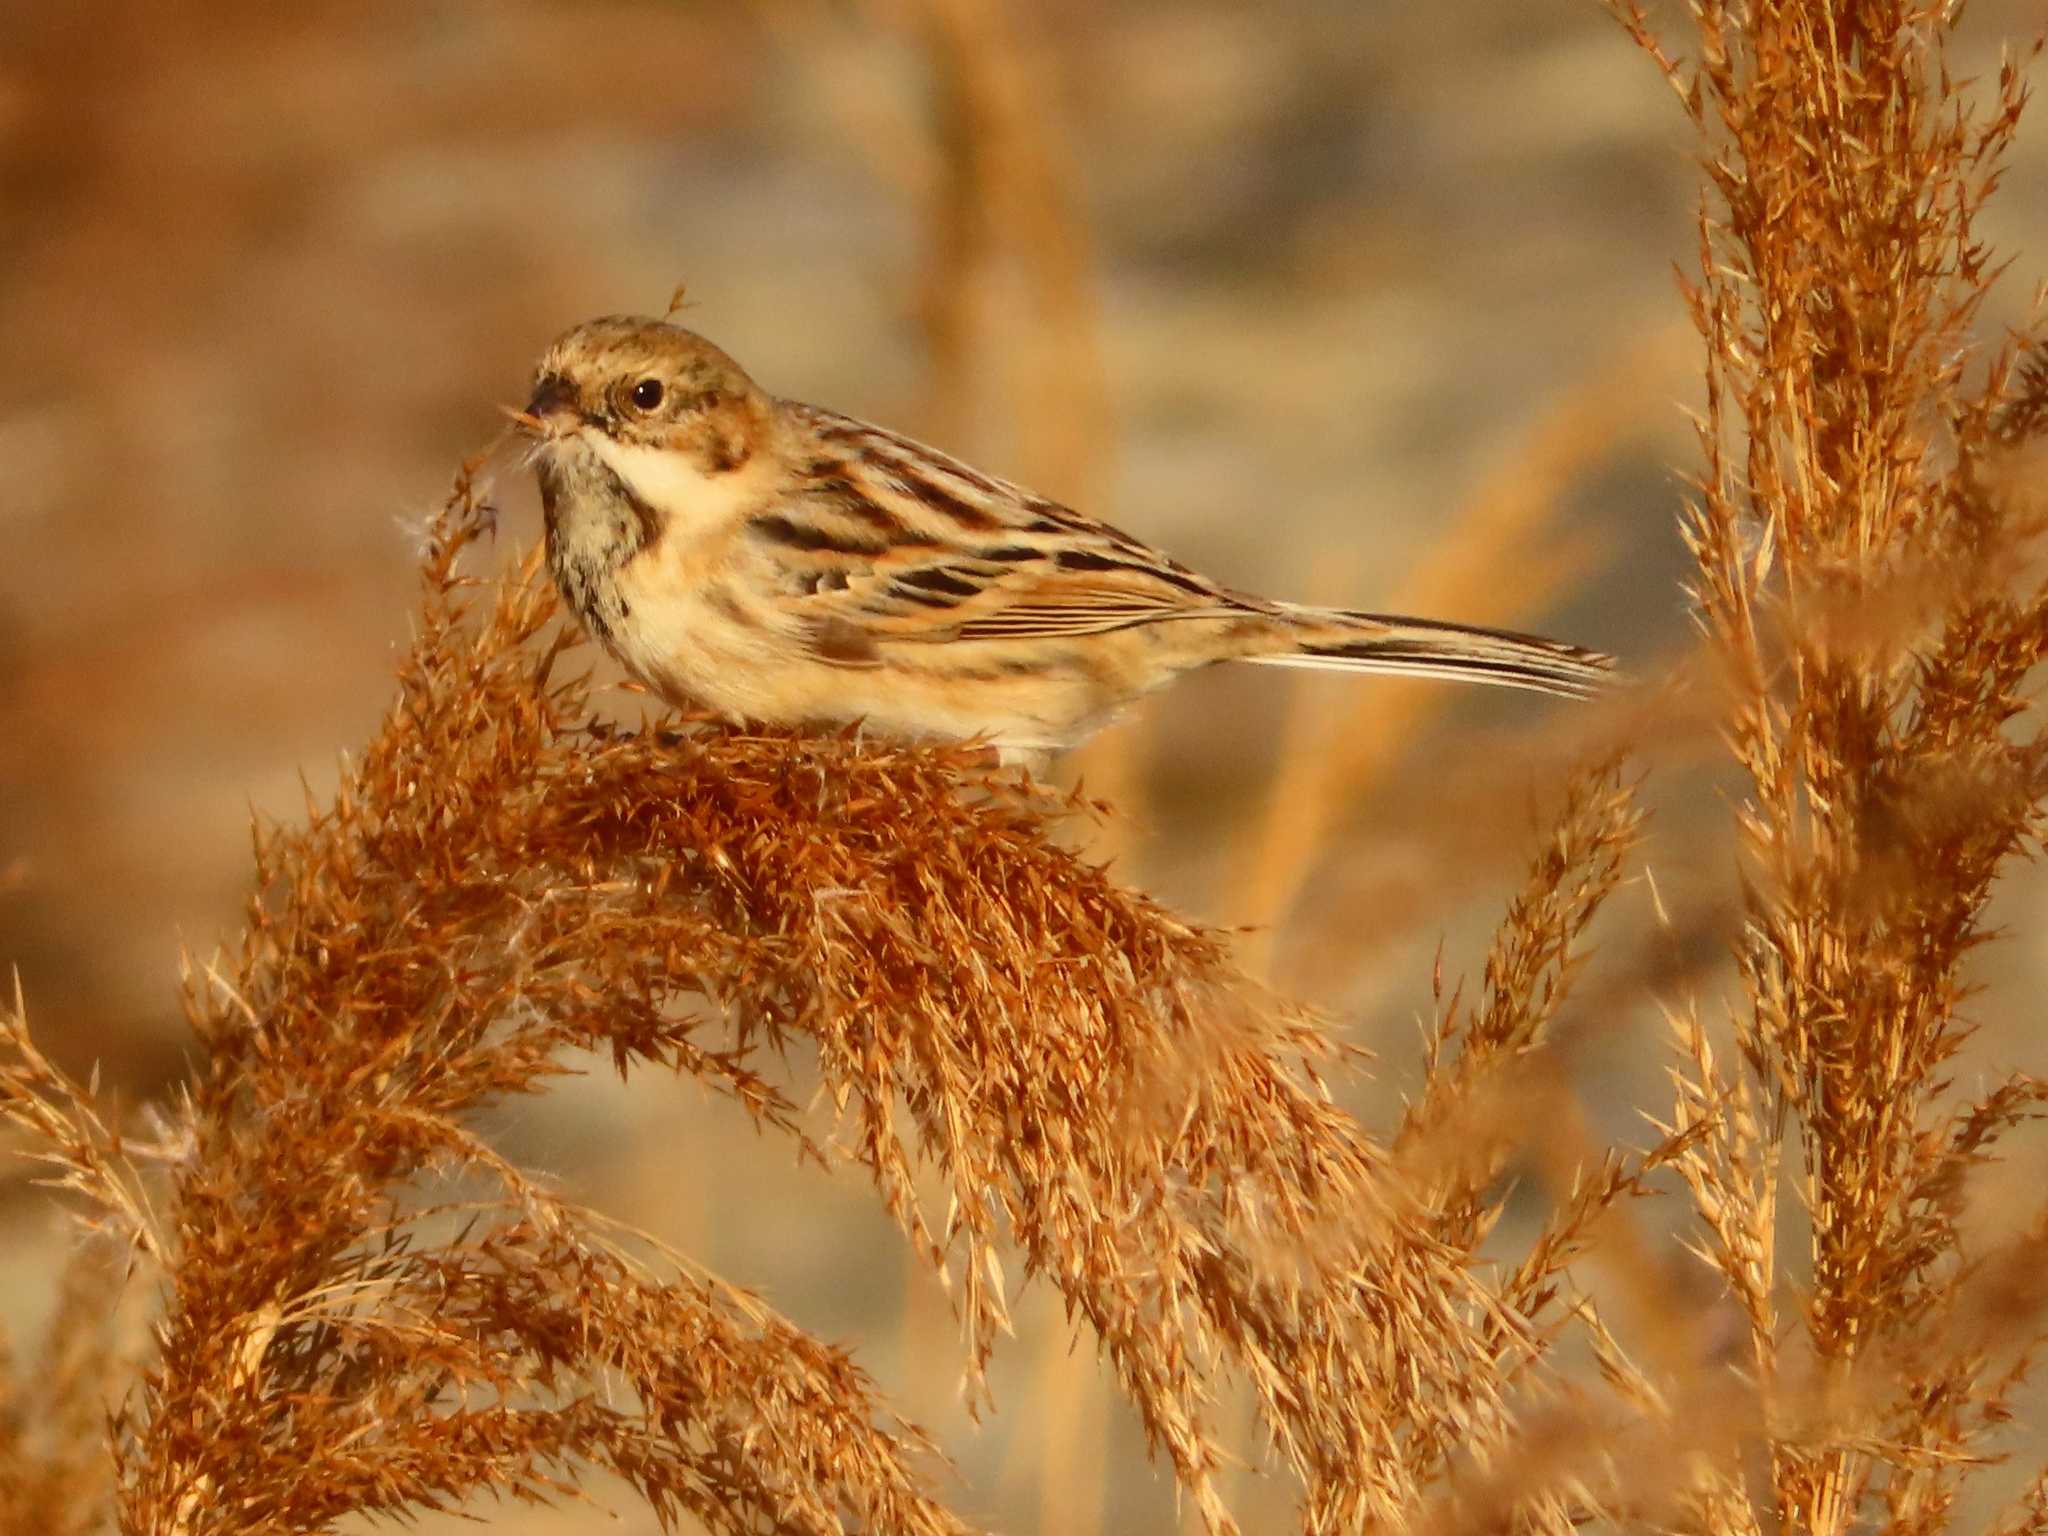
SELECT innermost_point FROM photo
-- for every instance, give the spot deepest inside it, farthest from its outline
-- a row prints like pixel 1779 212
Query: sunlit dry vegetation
pixel 360 1306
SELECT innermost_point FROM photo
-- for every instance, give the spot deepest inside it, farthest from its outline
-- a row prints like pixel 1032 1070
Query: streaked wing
pixel 896 541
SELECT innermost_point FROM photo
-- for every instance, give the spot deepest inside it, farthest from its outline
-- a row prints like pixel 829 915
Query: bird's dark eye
pixel 647 394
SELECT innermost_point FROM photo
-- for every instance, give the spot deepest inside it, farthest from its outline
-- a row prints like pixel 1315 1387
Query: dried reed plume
pixel 363 1308
pixel 368 1309
pixel 1866 529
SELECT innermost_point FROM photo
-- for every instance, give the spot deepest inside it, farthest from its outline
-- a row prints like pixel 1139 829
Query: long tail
pixel 1378 642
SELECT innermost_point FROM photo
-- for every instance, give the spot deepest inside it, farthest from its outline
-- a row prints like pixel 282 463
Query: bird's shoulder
pixel 885 537
pixel 846 458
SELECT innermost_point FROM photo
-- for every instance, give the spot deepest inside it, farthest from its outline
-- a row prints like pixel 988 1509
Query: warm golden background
pixel 1342 301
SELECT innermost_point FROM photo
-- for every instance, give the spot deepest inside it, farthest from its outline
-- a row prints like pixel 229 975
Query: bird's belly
pixel 689 641
pixel 696 626
pixel 703 648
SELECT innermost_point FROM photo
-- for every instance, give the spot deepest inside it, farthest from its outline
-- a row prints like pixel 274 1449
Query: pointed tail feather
pixel 1376 642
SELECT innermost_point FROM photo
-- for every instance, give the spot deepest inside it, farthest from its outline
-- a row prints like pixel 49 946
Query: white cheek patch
pixel 671 482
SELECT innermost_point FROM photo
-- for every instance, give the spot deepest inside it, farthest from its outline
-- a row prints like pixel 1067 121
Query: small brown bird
pixel 786 565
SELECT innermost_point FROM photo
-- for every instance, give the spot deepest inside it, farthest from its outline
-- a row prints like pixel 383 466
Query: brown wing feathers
pixel 901 542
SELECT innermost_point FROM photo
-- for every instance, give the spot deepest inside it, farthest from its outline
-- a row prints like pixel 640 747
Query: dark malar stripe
pixel 646 521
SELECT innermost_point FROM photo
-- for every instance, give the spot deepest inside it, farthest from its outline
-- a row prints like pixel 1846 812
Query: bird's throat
pixel 683 480
pixel 596 523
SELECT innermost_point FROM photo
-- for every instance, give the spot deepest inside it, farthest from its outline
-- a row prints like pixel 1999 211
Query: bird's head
pixel 646 387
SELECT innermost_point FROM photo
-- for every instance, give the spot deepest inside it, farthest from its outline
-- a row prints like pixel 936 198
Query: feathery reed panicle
pixel 369 1310
pixel 1528 975
pixel 1869 580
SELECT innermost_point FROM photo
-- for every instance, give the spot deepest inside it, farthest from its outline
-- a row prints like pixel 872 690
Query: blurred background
pixel 1348 302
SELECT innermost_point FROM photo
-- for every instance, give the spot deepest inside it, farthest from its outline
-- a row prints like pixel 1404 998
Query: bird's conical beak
pixel 553 396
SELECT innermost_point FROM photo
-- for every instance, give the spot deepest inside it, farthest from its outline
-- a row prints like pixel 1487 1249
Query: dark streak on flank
pixel 1010 553
pixel 936 578
pixel 843 498
pixel 1048 510
pixel 1086 560
pixel 929 493
pixel 777 529
pixel 994 671
pixel 847 499
pixel 1003 628
pixel 923 599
